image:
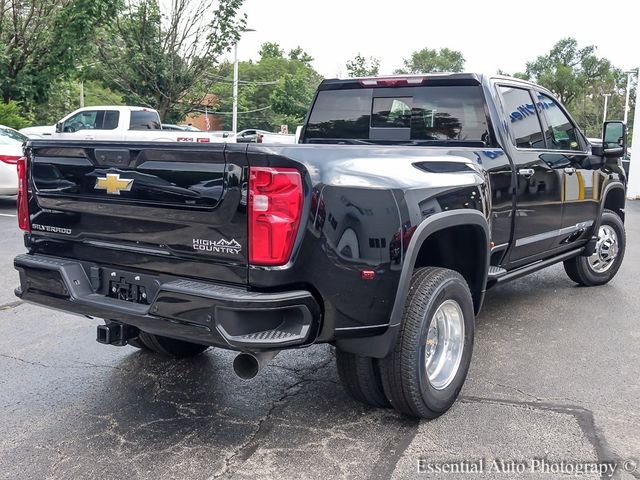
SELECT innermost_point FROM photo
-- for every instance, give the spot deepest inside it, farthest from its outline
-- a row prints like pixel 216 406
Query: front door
pixel 538 188
pixel 581 185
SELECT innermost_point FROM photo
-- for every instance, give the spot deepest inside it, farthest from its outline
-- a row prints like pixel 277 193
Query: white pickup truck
pixel 120 124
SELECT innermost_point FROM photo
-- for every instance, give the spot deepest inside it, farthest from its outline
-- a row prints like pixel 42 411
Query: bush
pixel 10 116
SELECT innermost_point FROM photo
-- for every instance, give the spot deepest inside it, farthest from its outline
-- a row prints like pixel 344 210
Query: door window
pixel 525 123
pixel 92 120
pixel 85 120
pixel 144 120
pixel 561 134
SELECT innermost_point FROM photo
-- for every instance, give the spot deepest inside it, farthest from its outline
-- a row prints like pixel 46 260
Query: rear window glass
pixel 144 120
pixel 410 114
pixel 341 114
pixel 11 137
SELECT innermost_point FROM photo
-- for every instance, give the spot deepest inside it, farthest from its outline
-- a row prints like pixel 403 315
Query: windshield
pixel 415 115
pixel 11 137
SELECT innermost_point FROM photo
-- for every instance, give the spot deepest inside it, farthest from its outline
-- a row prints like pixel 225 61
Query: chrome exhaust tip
pixel 247 365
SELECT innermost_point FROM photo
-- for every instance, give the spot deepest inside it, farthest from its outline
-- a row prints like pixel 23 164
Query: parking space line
pixel 7 215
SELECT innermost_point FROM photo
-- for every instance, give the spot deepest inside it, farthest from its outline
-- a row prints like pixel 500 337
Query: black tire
pixel 404 371
pixel 170 346
pixel 138 343
pixel 360 377
pixel 579 269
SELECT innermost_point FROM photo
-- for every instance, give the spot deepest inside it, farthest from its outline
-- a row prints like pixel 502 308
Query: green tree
pixel 271 50
pixel 568 70
pixel 360 66
pixel 157 53
pixel 42 41
pixel 580 80
pixel 274 91
pixel 11 116
pixel 430 60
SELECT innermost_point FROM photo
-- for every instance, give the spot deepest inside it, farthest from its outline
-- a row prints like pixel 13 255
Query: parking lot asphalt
pixel 555 376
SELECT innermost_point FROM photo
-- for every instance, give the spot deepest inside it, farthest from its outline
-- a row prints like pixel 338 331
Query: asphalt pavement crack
pixel 394 449
pixel 583 416
pixel 264 426
pixel 10 305
pixel 18 359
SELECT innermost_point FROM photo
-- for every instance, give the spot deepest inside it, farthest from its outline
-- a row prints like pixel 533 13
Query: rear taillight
pixel 23 196
pixel 11 159
pixel 275 207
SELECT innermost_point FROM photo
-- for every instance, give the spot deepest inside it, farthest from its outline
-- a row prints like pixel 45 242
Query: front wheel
pixel 424 373
pixel 600 267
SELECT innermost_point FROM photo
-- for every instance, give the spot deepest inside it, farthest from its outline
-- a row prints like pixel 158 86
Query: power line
pixel 231 113
pixel 241 82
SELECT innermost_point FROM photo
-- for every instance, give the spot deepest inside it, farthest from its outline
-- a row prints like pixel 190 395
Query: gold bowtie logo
pixel 113 184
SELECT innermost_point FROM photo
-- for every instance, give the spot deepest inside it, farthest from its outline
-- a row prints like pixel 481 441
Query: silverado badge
pixel 113 184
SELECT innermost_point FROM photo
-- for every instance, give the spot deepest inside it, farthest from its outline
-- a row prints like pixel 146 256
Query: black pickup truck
pixel 407 198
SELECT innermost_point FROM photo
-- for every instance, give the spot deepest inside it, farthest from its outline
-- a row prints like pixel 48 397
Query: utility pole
pixel 633 186
pixel 234 117
pixel 81 93
pixel 606 104
pixel 626 100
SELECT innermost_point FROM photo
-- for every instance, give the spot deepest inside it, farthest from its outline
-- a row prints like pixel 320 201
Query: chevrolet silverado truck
pixel 406 199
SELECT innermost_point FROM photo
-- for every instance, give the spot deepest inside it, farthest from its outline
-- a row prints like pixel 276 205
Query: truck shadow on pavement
pixel 157 413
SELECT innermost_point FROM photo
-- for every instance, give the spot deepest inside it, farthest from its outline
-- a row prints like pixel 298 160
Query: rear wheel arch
pixel 462 248
pixel 468 228
pixel 474 221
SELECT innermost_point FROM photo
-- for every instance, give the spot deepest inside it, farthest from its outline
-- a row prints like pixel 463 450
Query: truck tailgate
pixel 162 208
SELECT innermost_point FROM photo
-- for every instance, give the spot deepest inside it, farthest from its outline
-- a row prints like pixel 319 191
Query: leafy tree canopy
pixel 567 70
pixel 158 54
pixel 276 90
pixel 360 66
pixel 430 60
pixel 42 41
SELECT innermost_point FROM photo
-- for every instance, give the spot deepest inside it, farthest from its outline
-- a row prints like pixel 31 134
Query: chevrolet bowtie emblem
pixel 113 184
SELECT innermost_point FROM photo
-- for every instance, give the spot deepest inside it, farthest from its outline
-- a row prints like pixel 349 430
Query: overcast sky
pixel 492 34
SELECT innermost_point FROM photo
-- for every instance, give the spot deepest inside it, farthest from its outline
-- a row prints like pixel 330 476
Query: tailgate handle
pixel 113 157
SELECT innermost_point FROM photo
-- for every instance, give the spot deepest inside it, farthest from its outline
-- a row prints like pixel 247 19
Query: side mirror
pixel 614 139
pixel 59 126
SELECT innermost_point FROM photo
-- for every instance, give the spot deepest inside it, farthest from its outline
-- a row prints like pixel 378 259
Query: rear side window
pixel 523 116
pixel 111 118
pixel 407 114
pixel 144 120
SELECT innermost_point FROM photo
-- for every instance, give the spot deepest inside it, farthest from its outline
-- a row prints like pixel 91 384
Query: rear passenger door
pixel 538 188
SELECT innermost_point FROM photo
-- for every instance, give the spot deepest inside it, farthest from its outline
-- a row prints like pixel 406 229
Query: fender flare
pixel 607 190
pixel 591 244
pixel 380 346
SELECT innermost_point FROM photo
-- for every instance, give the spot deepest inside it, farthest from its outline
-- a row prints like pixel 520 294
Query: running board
pixel 534 267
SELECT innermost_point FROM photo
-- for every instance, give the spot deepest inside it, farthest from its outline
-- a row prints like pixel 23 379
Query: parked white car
pixel 117 123
pixel 10 151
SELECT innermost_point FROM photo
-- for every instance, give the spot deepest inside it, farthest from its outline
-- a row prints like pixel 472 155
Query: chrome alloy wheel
pixel 606 250
pixel 444 344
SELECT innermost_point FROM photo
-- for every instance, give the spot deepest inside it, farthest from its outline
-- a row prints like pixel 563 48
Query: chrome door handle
pixel 569 170
pixel 526 172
